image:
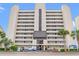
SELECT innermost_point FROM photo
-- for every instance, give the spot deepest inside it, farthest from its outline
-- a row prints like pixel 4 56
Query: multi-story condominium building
pixel 77 28
pixel 38 28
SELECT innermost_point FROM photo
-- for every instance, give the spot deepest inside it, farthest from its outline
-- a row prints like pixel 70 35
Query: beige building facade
pixel 38 28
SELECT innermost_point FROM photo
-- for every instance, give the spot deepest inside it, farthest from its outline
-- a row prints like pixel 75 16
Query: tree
pixel 14 48
pixel 73 34
pixel 6 42
pixel 2 34
pixel 77 35
pixel 63 33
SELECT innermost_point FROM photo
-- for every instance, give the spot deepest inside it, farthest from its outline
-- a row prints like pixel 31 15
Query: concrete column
pixel 44 47
pixel 34 44
pixel 45 44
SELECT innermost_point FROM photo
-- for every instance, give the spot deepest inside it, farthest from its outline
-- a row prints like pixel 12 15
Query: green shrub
pixel 8 49
pixel 2 49
pixel 78 49
pixel 66 49
pixel 62 50
pixel 14 48
pixel 73 50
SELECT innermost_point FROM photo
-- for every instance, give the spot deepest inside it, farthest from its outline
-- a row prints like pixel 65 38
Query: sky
pixel 5 9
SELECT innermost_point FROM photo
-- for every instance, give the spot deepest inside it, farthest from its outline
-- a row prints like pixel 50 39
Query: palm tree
pixel 4 40
pixel 6 43
pixel 2 34
pixel 73 34
pixel 63 33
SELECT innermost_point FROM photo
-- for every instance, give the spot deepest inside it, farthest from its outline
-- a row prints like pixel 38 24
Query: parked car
pixel 29 49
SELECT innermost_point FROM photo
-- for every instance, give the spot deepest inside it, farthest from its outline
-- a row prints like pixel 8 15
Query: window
pixel 24 33
pixel 54 22
pixel 25 29
pixel 54 25
pixel 54 18
pixel 53 12
pixel 23 41
pixel 25 25
pixel 55 37
pixel 25 22
pixel 25 15
pixel 26 12
pixel 21 37
pixel 52 29
pixel 53 15
pixel 25 18
pixel 52 33
pixel 50 41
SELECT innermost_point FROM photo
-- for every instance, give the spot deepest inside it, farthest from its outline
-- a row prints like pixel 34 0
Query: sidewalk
pixel 39 53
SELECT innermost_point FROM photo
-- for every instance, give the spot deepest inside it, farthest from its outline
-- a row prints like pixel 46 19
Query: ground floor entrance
pixel 41 47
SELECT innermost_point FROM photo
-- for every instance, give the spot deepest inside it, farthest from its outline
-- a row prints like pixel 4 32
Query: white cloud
pixel 1 8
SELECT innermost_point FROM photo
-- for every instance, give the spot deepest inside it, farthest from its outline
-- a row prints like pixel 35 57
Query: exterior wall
pixel 27 39
pixel 67 23
pixel 55 42
pixel 12 22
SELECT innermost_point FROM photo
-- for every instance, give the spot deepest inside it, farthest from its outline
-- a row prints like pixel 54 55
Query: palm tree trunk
pixel 5 49
pixel 65 45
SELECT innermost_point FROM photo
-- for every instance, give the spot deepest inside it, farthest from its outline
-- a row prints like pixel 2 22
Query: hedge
pixel 2 49
pixel 62 50
pixel 73 50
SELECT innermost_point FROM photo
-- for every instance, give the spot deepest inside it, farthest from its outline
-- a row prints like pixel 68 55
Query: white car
pixel 29 49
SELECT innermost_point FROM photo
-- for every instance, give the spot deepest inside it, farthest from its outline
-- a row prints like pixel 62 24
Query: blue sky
pixel 5 10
